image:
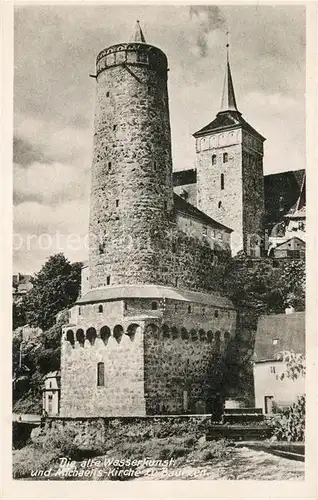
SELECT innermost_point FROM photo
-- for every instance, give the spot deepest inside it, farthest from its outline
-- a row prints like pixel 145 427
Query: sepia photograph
pixel 159 242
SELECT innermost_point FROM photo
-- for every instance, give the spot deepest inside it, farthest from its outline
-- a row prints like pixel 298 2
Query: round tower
pixel 131 193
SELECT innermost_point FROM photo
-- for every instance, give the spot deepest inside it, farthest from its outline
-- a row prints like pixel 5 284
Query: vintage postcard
pixel 161 236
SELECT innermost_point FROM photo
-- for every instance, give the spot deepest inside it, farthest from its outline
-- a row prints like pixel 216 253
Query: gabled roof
pixel 182 206
pixel 287 329
pixel 227 120
pixel 290 239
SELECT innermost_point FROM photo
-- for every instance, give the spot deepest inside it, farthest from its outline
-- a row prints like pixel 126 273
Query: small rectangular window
pixel 114 127
pixel 108 280
pixel 117 203
pixel 225 157
pixel 109 165
pixel 100 374
pixel 213 159
pixel 107 94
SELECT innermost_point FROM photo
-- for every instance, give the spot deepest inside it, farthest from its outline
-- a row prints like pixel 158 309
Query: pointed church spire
pixel 138 35
pixel 228 102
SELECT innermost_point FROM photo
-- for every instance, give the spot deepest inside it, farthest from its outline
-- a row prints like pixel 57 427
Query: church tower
pixel 230 170
pixel 131 193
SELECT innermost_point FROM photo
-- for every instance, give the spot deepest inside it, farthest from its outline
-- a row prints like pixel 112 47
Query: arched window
pixel 91 335
pixel 225 157
pixel 100 374
pixel 193 334
pixel 174 332
pixel 227 337
pixel 184 333
pixel 80 337
pixel 152 330
pixel 131 330
pixel 165 330
pixel 210 336
pixel 213 159
pixel 222 181
pixel 104 333
pixel 154 305
pixel 202 335
pixel 118 332
pixel 70 336
pixel 100 308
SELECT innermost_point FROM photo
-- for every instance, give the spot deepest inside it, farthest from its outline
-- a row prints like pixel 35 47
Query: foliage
pixel 290 424
pixel 29 459
pixel 256 283
pixel 295 365
pixel 55 287
pixel 18 315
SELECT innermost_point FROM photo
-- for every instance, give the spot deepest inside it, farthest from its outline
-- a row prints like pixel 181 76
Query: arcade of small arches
pixel 104 334
pixel 165 331
pixel 173 332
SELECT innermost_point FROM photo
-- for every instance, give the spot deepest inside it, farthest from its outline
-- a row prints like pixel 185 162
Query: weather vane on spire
pixel 227 44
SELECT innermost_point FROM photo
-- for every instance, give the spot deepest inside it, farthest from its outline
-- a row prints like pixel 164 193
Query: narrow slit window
pixel 108 280
pixel 222 181
pixel 117 203
pixel 225 157
pixel 114 127
pixel 220 204
pixel 100 374
pixel 109 165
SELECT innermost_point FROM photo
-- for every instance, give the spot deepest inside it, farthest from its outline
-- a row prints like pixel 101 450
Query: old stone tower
pixel 150 326
pixel 131 194
pixel 230 184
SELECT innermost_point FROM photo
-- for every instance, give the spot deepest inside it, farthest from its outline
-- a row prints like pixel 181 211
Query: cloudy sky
pixel 55 50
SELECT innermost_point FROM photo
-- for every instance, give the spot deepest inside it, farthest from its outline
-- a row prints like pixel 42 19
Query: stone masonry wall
pixel 240 204
pixel 181 354
pixel 123 391
pixel 225 205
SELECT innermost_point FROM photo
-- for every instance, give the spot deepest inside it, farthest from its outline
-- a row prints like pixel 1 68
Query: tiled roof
pixel 186 208
pixel 227 120
pixel 281 191
pixel 182 177
pixel 121 292
pixel 287 329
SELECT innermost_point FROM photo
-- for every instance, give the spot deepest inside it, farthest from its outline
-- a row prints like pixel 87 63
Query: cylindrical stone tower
pixel 131 193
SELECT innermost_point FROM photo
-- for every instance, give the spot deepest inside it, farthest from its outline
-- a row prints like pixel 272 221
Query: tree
pixel 55 287
pixel 289 424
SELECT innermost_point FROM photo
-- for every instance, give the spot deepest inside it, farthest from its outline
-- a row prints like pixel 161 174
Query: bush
pixel 29 459
pixel 289 425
